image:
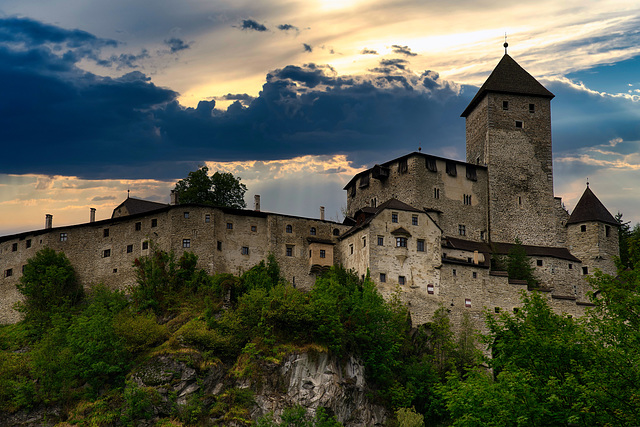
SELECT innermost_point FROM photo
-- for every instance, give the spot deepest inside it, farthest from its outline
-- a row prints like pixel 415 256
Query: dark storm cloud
pixel 176 44
pixel 103 198
pixel 390 65
pixel 366 51
pixel 403 50
pixel 250 24
pixel 307 48
pixel 287 27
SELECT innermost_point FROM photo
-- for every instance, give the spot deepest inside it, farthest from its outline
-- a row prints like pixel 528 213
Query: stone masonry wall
pixel 422 188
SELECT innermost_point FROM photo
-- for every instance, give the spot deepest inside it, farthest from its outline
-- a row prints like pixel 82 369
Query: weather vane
pixel 506 45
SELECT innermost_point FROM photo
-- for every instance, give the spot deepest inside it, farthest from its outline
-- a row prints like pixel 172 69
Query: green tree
pixel 49 286
pixel 220 189
pixel 519 266
pixel 624 232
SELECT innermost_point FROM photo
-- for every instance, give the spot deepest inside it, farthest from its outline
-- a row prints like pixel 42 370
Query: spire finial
pixel 128 191
pixel 506 45
pixel 587 182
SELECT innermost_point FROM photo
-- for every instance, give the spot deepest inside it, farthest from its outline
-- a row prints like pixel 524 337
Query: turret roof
pixel 589 208
pixel 508 77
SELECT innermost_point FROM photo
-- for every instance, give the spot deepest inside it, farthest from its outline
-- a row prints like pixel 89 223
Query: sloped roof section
pixel 590 208
pixel 134 206
pixel 508 77
pixel 371 213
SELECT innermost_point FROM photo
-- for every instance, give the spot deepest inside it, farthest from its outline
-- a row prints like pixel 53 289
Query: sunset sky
pixel 97 98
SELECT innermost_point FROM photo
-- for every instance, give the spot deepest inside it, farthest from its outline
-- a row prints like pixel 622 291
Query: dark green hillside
pixel 184 348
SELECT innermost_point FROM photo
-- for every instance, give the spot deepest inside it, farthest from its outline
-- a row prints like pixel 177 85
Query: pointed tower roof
pixel 508 77
pixel 589 208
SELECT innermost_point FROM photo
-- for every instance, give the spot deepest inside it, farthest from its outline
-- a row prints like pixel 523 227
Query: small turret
pixel 593 234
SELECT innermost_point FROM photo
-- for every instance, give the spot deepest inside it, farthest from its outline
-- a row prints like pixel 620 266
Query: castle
pixel 422 224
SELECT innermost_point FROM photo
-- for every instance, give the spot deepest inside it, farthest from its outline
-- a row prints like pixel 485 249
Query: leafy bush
pixel 139 331
pixel 49 286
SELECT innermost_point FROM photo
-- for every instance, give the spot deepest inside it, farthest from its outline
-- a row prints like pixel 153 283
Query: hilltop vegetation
pixel 82 358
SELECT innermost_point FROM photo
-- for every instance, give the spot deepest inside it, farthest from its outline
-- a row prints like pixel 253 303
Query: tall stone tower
pixel 508 126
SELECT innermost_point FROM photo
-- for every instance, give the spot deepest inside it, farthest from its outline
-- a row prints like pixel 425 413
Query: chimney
pixel 174 198
pixel 256 202
pixel 48 221
pixel 92 215
pixel 322 213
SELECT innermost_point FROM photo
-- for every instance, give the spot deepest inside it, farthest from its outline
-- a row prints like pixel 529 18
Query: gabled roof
pixel 508 77
pixel 136 206
pixel 371 213
pixel 589 208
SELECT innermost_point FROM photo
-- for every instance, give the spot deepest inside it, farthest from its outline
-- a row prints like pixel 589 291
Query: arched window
pixel 336 232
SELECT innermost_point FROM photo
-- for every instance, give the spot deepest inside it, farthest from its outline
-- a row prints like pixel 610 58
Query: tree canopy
pixel 219 189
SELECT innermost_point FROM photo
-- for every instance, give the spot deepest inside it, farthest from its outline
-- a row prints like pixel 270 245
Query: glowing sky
pixel 293 96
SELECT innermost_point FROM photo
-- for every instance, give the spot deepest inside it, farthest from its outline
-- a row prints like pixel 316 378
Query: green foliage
pixel 49 286
pixel 296 416
pixel 519 266
pixel 407 417
pixel 221 189
pixel 138 404
pixel 624 232
pixel 139 332
pixel 162 280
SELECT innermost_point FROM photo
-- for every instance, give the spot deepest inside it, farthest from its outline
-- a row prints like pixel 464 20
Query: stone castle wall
pixel 225 241
pixel 437 191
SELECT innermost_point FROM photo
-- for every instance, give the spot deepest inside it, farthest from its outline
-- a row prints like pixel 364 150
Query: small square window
pixel 583 228
pixel 105 232
pixel 467 302
pixel 312 231
pixel 414 220
pixel 505 105
pixel 607 231
pixel 420 245
pixel 430 289
pixel 115 270
pixel 138 226
pixel 394 217
pixel 585 270
pixel 380 241
pixel 63 237
pixel 154 222
pixel 474 275
pixel 28 243
pixel 454 272
pixel 462 230
pixel 8 272
pixel 245 250
pixel 519 124
pixel 186 215
pixel 496 309
pixel 106 253
pixel 532 108
pixel 14 247
pixel 539 263
pixel 383 278
pixel 219 246
pixel 289 229
pixel 323 253
pixel 401 280
pixel 145 245
pixel 289 251
pixel 229 226
pixel 129 249
pixel 186 243
pixel 570 266
pixel 207 218
pixel 254 228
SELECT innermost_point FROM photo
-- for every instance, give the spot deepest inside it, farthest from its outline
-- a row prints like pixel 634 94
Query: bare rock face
pixel 314 380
